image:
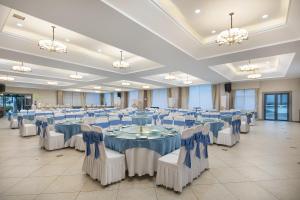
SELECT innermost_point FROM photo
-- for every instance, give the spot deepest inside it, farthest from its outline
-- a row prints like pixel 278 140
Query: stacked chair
pixel 230 135
pixel 179 168
pixel 105 165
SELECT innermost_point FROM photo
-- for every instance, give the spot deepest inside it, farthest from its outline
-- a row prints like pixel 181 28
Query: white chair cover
pixel 50 140
pixel 27 128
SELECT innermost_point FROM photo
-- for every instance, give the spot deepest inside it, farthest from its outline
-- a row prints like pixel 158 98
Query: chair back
pixel 97 131
pixel 186 152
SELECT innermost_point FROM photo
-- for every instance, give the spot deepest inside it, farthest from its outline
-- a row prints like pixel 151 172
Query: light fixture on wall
pixel 248 67
pixel 121 64
pixel 21 68
pixel 233 35
pixel 76 76
pixel 6 78
pixel 170 76
pixel 52 45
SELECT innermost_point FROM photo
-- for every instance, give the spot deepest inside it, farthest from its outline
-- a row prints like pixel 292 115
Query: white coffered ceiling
pixel 157 37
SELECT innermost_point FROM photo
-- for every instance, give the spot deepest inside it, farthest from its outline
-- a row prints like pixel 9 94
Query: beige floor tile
pixel 212 192
pixel 18 197
pixel 67 184
pixel 225 175
pixel 6 183
pixel 249 191
pixel 32 185
pixel 20 171
pixel 166 194
pixel 97 195
pixel 137 194
pixel 57 196
pixel 93 185
pixel 205 178
pixel 137 182
pixel 254 173
pixel 49 170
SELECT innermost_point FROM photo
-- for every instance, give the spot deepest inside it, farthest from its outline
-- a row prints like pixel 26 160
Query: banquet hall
pixel 149 99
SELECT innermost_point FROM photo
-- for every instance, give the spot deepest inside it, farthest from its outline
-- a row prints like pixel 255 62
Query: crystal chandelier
pixel 249 67
pixel 121 64
pixel 232 35
pixel 21 68
pixel 52 45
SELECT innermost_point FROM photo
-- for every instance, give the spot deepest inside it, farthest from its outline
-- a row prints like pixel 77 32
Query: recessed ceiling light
pixel 254 76
pixel 197 11
pixel 99 50
pixel 170 77
pixel 76 76
pixel 67 40
pixel 21 68
pixel 213 32
pixel 117 89
pixel 265 16
pixel 20 25
pixel 146 87
pixel 77 90
pixel 187 82
pixel 125 83
pixel 52 83
pixel 97 87
pixel 7 78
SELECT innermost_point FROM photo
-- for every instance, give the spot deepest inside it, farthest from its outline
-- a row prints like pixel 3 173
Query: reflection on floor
pixel 264 165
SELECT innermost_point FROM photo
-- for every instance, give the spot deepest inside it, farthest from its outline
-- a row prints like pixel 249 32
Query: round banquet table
pixel 69 129
pixel 142 148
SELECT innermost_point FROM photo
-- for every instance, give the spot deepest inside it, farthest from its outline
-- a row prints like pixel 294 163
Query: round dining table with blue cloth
pixel 143 149
pixel 141 119
pixel 68 129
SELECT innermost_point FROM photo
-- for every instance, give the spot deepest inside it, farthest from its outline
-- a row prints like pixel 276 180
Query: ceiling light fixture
pixel 248 67
pixel 19 25
pixel 52 83
pixel 170 76
pixel 125 83
pixel 213 32
pixel 197 11
pixel 233 35
pixel 77 90
pixel 97 87
pixel 6 78
pixel 99 50
pixel 52 45
pixel 254 76
pixel 67 40
pixel 117 89
pixel 21 68
pixel 145 86
pixel 121 64
pixel 265 16
pixel 76 76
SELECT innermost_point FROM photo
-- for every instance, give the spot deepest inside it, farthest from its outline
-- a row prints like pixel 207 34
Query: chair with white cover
pixel 13 123
pixel 104 165
pixel 174 170
pixel 245 127
pixel 168 122
pixel 126 120
pixel 49 139
pixel 114 122
pixel 230 135
pixel 179 123
pixel 253 119
pixel 26 127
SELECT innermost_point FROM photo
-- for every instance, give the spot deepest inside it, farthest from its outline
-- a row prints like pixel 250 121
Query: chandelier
pixel 254 75
pixel 249 67
pixel 170 77
pixel 121 64
pixel 21 68
pixel 232 35
pixel 52 45
pixel 76 76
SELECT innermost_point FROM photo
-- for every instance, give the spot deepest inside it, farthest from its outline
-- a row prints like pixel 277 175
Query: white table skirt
pixel 141 161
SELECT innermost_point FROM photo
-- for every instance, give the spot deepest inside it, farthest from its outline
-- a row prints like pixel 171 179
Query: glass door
pixel 276 106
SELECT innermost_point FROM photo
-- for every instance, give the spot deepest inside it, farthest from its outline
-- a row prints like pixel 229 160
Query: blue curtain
pixel 92 99
pixel 107 99
pixel 160 98
pixel 245 100
pixel 200 96
pixel 133 96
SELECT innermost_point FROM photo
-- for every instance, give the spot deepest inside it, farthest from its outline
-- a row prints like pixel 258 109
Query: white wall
pixel 41 96
pixel 276 85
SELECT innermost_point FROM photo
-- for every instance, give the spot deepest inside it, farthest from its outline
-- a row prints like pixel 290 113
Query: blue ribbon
pixel 189 122
pixel 44 127
pixel 205 141
pixel 20 121
pixel 97 138
pixel 155 117
pixel 189 145
pixel 38 124
pixel 87 138
pixel 198 139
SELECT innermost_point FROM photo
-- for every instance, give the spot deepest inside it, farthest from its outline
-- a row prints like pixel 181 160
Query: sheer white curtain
pixel 107 99
pixel 160 98
pixel 200 96
pixel 245 100
pixel 68 98
pixel 133 96
pixel 76 99
pixel 92 99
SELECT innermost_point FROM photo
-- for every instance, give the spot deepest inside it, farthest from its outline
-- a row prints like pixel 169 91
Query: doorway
pixel 16 102
pixel 276 106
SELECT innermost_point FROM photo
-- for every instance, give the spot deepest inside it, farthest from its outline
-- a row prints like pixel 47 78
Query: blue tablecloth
pixel 215 127
pixel 68 129
pixel 161 144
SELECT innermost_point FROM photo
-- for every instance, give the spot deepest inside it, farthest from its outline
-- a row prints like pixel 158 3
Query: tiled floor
pixel 264 165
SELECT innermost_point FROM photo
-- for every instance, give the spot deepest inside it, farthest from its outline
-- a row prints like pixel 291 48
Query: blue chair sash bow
pixel 188 143
pixel 189 122
pixel 44 128
pixel 20 121
pixel 97 138
pixel 198 139
pixel 38 124
pixel 88 139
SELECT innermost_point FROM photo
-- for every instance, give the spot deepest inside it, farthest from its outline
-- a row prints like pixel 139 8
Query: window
pixel 200 96
pixel 92 99
pixel 245 100
pixel 107 99
pixel 133 96
pixel 68 98
pixel 160 98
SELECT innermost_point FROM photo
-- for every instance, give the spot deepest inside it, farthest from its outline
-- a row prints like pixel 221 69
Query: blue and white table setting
pixel 215 125
pixel 143 146
pixel 69 129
